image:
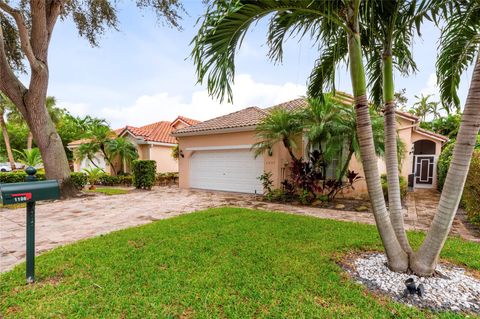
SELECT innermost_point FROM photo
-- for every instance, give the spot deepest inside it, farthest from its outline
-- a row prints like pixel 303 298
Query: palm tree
pixel 5 105
pixel 124 149
pixel 222 31
pixel 87 151
pixel 280 125
pixel 30 157
pixel 423 106
pixel 101 135
pixel 459 48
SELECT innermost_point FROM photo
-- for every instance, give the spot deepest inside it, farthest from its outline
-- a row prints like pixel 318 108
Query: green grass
pixel 109 191
pixel 219 263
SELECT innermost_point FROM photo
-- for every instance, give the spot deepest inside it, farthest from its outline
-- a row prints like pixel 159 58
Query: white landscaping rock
pixel 455 290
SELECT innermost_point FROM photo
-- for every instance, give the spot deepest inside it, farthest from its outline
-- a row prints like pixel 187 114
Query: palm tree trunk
pixel 424 261
pixel 397 258
pixel 29 140
pixel 6 138
pixel 391 158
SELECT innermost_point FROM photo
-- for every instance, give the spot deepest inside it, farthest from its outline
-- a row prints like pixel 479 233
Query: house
pixel 216 154
pixel 153 142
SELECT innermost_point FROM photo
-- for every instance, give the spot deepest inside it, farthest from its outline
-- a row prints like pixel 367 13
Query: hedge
pixel 144 173
pixel 167 178
pixel 79 180
pixel 403 186
pixel 109 180
pixel 471 192
pixel 443 164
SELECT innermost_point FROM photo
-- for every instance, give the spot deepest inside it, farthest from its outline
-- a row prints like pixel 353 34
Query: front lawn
pixel 219 263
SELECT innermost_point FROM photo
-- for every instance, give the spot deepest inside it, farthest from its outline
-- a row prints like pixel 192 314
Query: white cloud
pixel 431 87
pixel 165 107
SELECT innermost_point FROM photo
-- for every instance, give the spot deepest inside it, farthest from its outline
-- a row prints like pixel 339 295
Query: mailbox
pixel 28 192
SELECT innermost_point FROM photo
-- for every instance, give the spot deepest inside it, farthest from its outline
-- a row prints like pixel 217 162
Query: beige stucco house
pixel 216 154
pixel 153 142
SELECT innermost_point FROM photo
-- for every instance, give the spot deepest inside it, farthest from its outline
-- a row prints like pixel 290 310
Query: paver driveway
pixel 63 222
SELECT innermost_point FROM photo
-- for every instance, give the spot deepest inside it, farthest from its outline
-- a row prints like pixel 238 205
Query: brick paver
pixel 62 222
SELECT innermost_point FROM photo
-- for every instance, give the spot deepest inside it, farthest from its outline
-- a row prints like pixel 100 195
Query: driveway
pixel 62 222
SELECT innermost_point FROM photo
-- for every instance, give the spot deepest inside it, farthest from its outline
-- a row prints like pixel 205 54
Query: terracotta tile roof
pixel 186 120
pixel 250 116
pixel 159 132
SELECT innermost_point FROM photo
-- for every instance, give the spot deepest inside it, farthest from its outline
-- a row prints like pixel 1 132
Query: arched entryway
pixel 424 163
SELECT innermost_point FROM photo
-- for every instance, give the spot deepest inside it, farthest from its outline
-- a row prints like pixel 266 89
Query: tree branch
pixel 9 83
pixel 53 12
pixel 23 33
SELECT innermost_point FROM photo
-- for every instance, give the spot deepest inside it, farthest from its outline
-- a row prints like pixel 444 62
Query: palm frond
pixel 458 47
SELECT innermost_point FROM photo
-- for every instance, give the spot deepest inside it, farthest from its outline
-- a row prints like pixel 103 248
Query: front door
pixel 424 166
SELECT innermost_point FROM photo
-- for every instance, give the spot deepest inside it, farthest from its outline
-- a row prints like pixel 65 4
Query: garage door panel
pixel 228 170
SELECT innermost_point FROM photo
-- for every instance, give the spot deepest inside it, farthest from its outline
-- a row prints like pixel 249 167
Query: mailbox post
pixel 30 267
pixel 29 192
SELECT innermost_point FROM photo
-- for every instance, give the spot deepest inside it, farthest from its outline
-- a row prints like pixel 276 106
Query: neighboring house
pixel 153 141
pixel 216 154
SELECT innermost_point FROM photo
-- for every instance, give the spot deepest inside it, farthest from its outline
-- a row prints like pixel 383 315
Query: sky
pixel 143 74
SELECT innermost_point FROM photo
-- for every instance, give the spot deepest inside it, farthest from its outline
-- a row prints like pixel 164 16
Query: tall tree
pixel 222 31
pixel 5 105
pixel 459 48
pixel 26 30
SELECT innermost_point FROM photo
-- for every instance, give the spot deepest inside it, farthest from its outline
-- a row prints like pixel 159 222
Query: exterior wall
pixel 163 156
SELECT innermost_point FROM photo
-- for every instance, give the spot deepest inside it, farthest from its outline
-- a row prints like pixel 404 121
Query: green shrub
pixel 79 180
pixel 108 180
pixel 167 178
pixel 443 164
pixel 471 192
pixel 403 186
pixel 144 173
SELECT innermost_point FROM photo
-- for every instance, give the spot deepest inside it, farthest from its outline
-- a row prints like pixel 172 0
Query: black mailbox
pixel 28 192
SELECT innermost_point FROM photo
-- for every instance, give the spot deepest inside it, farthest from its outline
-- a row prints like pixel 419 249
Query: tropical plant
pixel 175 152
pixel 334 24
pixel 30 157
pixel 87 151
pixel 6 104
pixel 93 175
pixel 101 136
pixel 424 107
pixel 459 48
pixel 280 125
pixel 124 149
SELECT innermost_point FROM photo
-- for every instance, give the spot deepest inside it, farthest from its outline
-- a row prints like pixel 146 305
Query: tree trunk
pixel 29 140
pixel 397 258
pixel 7 142
pixel 425 260
pixel 45 134
pixel 391 155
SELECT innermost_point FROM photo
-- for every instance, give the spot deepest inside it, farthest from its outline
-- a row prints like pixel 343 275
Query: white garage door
pixel 226 170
